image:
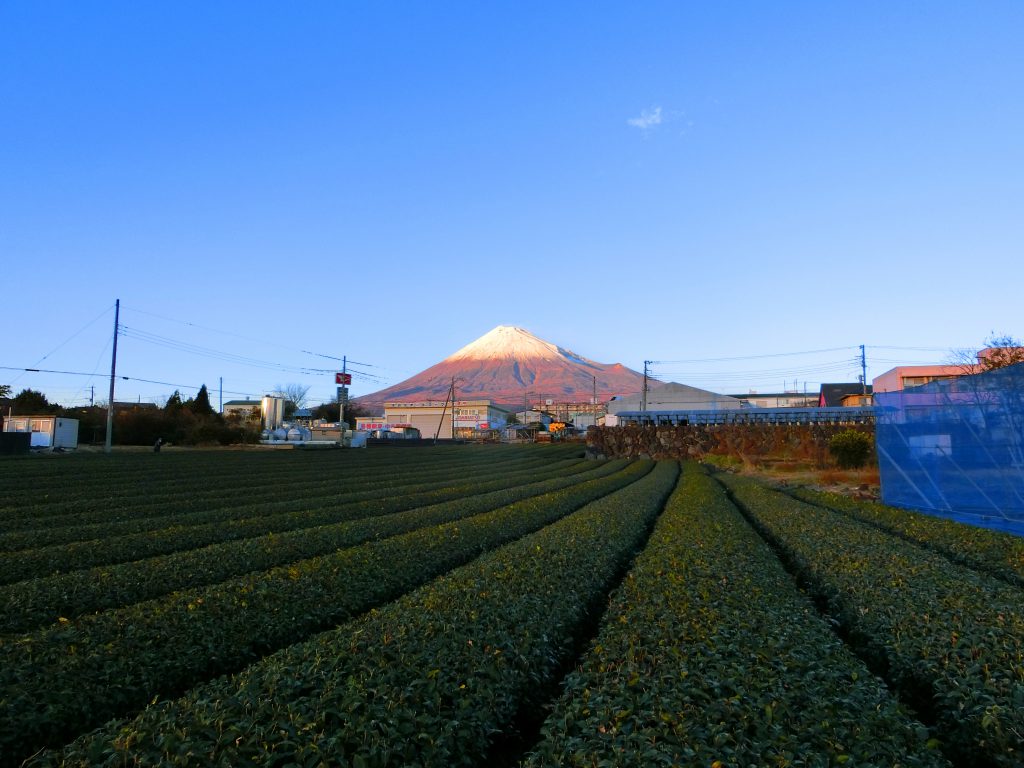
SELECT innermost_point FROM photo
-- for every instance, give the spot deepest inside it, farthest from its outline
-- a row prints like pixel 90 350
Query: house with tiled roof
pixel 845 394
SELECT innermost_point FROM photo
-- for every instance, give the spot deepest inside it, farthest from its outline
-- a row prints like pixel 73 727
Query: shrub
pixel 850 448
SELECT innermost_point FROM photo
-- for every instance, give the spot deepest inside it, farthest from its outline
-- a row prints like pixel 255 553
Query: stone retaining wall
pixel 748 442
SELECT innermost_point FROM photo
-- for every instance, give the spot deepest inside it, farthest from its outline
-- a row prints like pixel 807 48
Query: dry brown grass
pixel 860 483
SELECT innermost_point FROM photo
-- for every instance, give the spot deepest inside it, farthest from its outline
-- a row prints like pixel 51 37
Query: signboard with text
pixel 343 378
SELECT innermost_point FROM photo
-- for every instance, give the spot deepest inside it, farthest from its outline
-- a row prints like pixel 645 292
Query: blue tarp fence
pixel 956 448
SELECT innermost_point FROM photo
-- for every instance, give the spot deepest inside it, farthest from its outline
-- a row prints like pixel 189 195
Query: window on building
pixel 917 381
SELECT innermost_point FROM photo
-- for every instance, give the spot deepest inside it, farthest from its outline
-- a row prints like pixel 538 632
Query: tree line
pixel 180 421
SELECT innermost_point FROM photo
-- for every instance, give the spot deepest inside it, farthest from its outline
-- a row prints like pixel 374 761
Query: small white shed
pixel 47 431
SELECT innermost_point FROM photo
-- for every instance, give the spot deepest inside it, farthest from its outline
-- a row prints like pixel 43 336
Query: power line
pixel 75 334
pixel 764 372
pixel 122 378
pixel 910 349
pixel 71 338
pixel 752 357
pixel 899 361
pixel 262 341
pixel 99 360
pixel 195 349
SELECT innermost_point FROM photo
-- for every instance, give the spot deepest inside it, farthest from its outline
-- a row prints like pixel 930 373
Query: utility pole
pixel 113 372
pixel 92 395
pixel 643 395
pixel 221 408
pixel 449 397
pixel 342 391
pixel 863 371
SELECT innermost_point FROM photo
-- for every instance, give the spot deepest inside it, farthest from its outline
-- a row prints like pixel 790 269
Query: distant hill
pixel 510 366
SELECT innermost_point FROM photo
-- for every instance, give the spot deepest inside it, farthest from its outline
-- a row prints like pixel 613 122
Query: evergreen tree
pixel 200 404
pixel 28 401
pixel 329 412
pixel 174 403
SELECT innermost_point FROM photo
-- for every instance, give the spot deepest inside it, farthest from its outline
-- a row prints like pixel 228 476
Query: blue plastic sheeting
pixel 956 448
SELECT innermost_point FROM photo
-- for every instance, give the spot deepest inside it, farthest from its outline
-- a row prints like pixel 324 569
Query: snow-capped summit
pixel 510 366
pixel 508 341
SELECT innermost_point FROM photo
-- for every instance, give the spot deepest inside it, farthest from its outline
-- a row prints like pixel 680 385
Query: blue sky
pixel 389 181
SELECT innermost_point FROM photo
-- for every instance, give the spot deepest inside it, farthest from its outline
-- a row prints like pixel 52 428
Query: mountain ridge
pixel 511 366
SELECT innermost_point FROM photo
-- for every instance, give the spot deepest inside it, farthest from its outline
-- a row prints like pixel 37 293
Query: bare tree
pixel 294 394
pixel 999 351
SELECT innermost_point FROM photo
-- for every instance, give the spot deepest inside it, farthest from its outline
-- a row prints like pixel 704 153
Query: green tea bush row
pixel 709 655
pixel 123 520
pixel 30 604
pixel 94 475
pixel 57 683
pixel 995 552
pixel 139 497
pixel 62 495
pixel 94 472
pixel 288 514
pixel 428 680
pixel 949 639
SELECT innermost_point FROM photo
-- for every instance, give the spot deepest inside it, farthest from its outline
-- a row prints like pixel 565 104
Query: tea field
pixel 491 605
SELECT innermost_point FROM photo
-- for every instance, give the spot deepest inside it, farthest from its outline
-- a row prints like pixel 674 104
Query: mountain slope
pixel 511 366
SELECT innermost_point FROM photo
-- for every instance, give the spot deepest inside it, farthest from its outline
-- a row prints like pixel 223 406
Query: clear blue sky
pixel 389 181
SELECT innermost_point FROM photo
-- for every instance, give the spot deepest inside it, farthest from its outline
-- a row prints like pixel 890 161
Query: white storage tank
pixel 273 411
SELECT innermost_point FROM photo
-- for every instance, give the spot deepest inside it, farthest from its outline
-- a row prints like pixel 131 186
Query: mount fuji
pixel 510 366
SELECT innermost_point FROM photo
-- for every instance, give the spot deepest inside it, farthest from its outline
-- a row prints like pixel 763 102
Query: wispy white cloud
pixel 647 120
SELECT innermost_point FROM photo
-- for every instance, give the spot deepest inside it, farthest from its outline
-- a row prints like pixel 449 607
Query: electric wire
pixel 765 372
pixel 195 349
pixel 99 361
pixel 69 339
pixel 666 368
pixel 262 341
pixel 739 358
pixel 118 377
pixel 722 374
pixel 909 349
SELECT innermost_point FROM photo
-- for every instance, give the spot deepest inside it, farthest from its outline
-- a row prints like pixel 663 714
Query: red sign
pixel 343 378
